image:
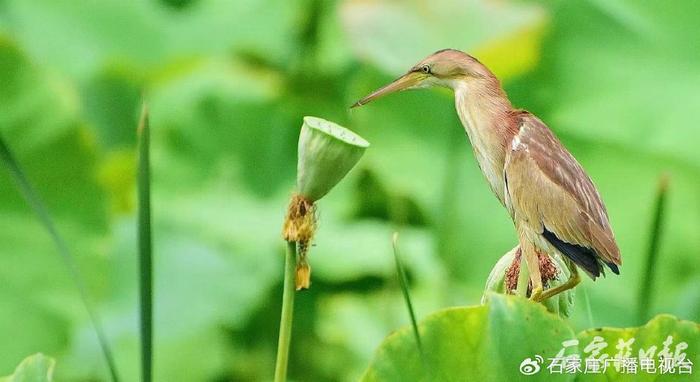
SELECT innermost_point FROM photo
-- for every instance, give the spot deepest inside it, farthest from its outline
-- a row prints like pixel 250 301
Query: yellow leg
pixel 574 279
pixel 529 253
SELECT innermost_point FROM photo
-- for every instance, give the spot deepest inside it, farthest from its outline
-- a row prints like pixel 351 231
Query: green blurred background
pixel 228 83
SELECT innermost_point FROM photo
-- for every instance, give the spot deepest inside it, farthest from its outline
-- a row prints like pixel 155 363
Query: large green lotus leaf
pixel 36 368
pixel 393 35
pixel 480 343
pixel 663 335
pixel 489 343
pixel 622 72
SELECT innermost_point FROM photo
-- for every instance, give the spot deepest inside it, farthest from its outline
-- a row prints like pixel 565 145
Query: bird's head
pixel 446 68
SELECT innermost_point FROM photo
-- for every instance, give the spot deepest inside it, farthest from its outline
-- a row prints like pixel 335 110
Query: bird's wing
pixel 548 189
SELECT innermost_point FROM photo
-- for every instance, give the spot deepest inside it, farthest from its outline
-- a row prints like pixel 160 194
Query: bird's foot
pixel 536 294
pixel 573 280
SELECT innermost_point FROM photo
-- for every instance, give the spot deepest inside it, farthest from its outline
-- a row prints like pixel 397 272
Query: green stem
pixel 403 282
pixel 28 192
pixel 287 315
pixel 589 311
pixel 653 250
pixel 145 248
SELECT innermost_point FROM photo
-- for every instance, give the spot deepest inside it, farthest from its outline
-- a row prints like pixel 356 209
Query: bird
pixel 555 207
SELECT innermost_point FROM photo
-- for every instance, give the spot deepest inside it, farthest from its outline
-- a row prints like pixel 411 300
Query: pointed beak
pixel 407 81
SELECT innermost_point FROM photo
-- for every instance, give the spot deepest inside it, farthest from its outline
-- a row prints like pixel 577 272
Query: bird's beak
pixel 407 81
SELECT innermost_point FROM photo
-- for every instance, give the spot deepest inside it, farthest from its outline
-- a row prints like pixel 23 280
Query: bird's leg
pixel 574 279
pixel 529 253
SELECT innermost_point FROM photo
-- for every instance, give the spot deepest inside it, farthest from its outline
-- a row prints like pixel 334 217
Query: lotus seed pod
pixel 327 152
pixel 562 303
pixel 496 281
pixel 504 277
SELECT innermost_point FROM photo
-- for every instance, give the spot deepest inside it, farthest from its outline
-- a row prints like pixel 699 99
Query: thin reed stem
pixel 403 281
pixel 645 291
pixel 27 191
pixel 145 247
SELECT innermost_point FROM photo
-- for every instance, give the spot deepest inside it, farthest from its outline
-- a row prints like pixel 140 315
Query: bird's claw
pixel 536 294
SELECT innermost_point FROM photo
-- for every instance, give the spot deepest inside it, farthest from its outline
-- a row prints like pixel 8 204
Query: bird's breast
pixel 486 142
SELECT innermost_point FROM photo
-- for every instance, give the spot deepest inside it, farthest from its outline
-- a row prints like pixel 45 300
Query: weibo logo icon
pixel 530 366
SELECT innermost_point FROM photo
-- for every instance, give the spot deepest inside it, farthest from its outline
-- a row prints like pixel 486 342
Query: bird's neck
pixel 488 118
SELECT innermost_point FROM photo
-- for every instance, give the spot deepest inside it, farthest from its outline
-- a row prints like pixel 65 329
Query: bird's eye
pixel 425 69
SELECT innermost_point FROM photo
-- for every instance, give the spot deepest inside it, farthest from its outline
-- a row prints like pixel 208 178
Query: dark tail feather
pixel 584 257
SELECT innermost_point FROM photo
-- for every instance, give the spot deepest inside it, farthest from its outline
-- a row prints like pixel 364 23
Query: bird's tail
pixel 585 258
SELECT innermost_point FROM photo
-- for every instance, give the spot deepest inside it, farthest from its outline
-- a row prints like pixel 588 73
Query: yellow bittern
pixel 554 205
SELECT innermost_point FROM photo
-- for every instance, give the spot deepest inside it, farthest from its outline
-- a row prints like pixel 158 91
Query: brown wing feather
pixel 547 187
